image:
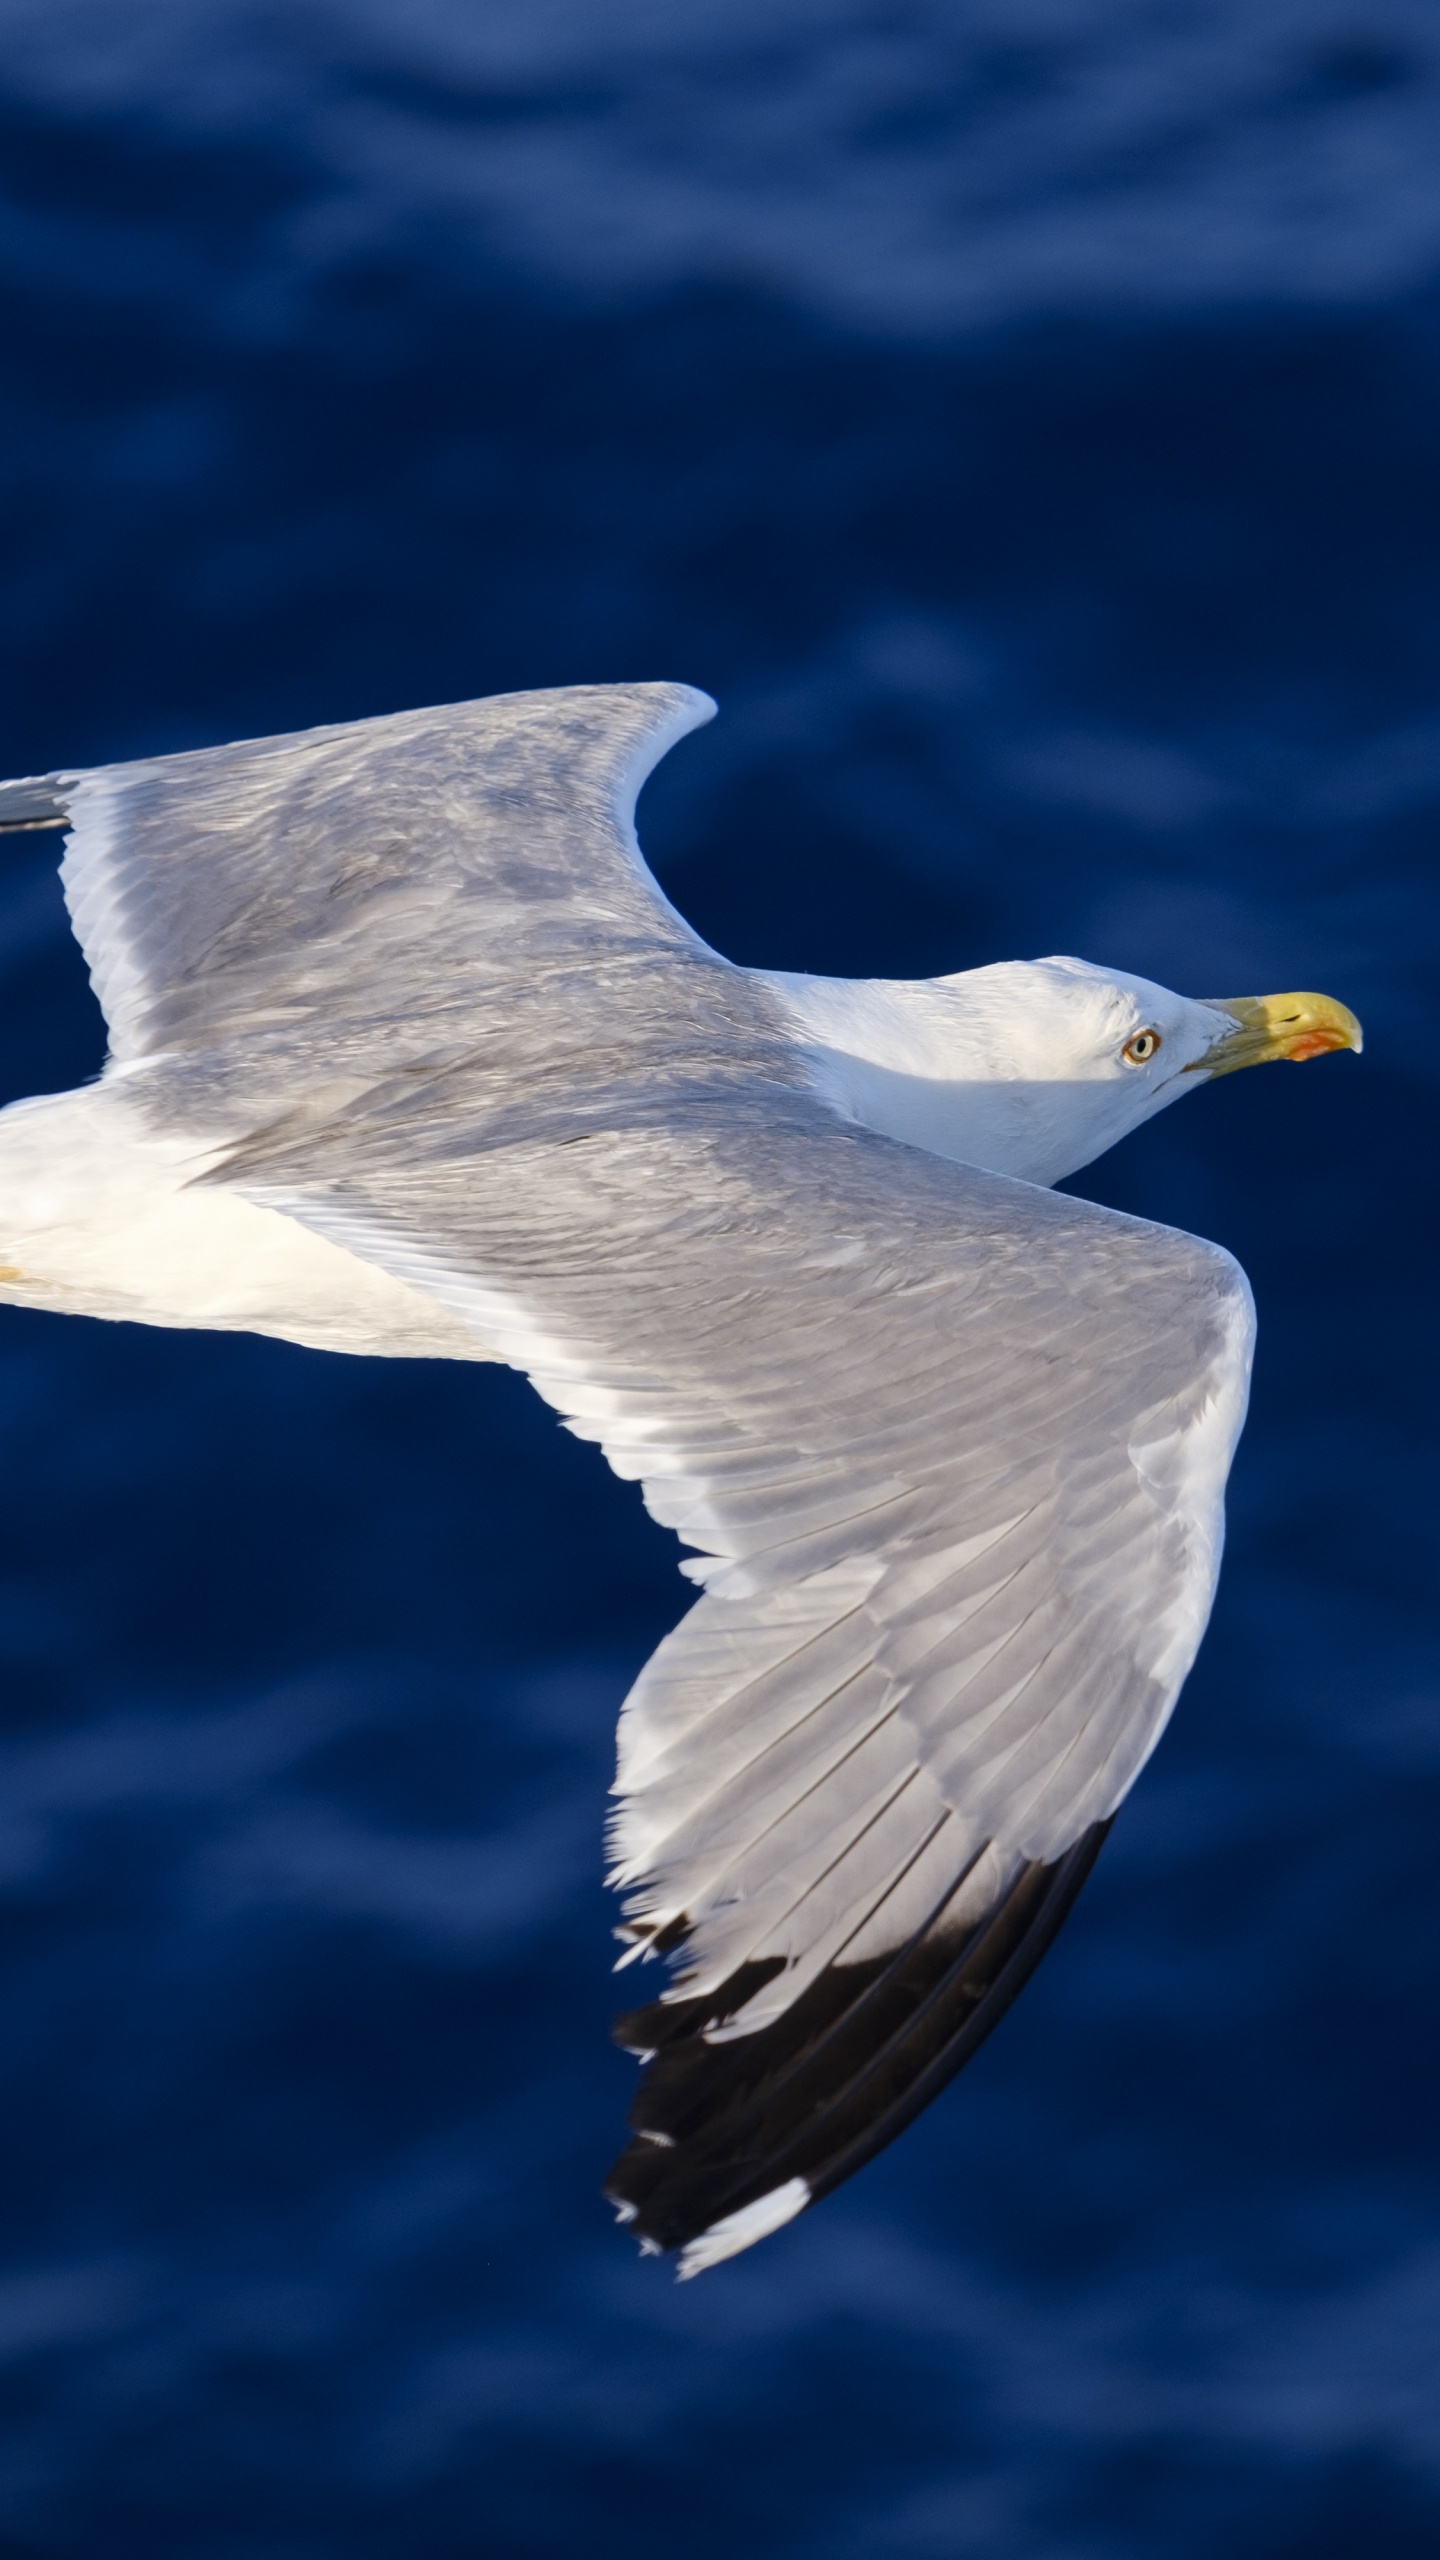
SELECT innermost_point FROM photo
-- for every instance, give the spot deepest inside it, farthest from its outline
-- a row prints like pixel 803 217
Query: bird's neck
pixel 935 1065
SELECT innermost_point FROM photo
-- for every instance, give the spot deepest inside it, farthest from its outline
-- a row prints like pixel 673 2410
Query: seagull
pixel 410 1055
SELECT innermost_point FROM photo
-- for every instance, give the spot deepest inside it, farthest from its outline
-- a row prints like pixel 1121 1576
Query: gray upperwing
pixel 953 1449
pixel 350 901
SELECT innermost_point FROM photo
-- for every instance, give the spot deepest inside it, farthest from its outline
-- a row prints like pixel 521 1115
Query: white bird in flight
pixel 410 1055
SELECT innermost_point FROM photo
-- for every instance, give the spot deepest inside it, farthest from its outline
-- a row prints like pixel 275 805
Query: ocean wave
pixel 932 170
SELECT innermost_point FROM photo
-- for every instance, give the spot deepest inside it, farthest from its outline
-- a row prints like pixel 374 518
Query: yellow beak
pixel 1295 1027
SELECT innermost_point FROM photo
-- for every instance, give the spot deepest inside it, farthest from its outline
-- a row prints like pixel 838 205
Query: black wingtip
pixel 721 2126
pixel 36 802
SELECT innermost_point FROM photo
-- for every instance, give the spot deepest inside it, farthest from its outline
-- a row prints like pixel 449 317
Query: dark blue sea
pixel 1024 417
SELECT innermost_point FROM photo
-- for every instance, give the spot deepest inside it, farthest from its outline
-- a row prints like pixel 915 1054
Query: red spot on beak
pixel 1315 1044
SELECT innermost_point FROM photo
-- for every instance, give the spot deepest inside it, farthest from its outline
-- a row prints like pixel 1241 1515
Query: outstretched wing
pixel 953 1449
pixel 302 912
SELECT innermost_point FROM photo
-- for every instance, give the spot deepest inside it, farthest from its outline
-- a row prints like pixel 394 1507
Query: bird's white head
pixel 1035 1067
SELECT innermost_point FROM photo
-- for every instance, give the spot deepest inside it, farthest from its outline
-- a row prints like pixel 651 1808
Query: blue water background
pixel 1024 419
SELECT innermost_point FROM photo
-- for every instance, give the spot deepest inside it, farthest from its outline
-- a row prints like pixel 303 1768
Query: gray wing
pixel 952 1449
pixel 290 915
pixel 954 1452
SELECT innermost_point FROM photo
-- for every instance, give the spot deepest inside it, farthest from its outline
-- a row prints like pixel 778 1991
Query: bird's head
pixel 1092 1052
pixel 1035 1067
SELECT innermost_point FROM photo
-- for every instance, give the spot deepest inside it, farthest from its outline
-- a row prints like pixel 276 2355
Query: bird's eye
pixel 1140 1048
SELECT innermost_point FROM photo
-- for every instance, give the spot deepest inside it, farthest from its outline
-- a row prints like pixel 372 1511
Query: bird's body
pixel 410 1055
pixel 103 1216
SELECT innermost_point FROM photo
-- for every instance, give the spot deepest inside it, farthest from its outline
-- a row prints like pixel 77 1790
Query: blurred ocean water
pixel 1023 418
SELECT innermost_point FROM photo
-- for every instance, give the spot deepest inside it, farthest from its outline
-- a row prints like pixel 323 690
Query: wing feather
pixel 941 1632
pixel 322 900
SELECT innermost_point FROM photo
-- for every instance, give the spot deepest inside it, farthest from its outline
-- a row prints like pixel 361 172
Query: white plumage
pixel 410 1055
